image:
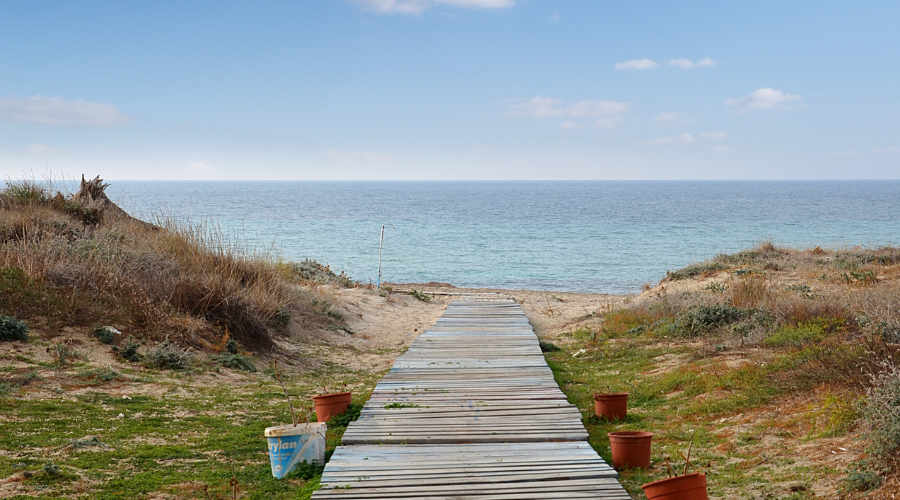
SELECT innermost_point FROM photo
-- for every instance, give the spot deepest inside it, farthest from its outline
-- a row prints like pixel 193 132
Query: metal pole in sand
pixel 380 246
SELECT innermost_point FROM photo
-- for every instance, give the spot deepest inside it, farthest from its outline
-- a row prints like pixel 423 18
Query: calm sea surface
pixel 604 237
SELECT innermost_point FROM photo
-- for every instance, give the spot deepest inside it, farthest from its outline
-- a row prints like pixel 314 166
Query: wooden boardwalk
pixel 470 411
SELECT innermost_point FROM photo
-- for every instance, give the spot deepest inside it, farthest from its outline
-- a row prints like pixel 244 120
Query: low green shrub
pixel 235 361
pixel 105 334
pixel 420 296
pixel 695 270
pixel 798 336
pixel 12 329
pixel 168 356
pixel 99 375
pixel 129 351
pixel 700 319
pixel 344 419
pixel 860 477
pixel 310 271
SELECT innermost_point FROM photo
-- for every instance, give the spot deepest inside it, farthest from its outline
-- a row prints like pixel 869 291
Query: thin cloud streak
pixel 764 98
pixel 688 64
pixel 690 139
pixel 419 6
pixel 549 107
pixel 637 64
pixel 57 112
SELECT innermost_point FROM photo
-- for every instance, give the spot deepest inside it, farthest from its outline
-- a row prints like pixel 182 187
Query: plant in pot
pixel 611 405
pixel 678 487
pixel 329 405
pixel 296 443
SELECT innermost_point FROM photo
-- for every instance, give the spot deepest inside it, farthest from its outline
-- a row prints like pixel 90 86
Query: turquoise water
pixel 601 237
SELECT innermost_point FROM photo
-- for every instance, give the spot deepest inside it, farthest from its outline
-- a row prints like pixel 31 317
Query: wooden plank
pixel 471 410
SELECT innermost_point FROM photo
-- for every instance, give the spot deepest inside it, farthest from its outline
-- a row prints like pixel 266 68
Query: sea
pixel 577 236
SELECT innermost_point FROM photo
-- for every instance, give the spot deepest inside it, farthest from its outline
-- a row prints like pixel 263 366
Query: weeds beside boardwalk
pixel 134 357
pixel 765 356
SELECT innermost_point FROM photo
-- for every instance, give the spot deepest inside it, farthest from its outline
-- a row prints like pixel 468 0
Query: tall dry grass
pixel 77 259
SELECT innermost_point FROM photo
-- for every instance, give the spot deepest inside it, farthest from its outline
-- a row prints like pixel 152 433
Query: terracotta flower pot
pixel 612 406
pixel 630 449
pixel 329 405
pixel 688 487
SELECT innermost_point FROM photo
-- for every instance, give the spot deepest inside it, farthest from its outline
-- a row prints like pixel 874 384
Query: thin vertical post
pixel 380 246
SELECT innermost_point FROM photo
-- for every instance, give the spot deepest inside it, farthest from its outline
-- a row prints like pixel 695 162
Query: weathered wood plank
pixel 471 411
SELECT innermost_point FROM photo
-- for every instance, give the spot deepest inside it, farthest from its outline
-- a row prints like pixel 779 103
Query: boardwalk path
pixel 471 410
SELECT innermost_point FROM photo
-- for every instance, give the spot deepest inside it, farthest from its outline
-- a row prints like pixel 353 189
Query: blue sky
pixel 450 89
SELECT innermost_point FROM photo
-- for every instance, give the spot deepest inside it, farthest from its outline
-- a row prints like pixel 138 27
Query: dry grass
pixel 811 318
pixel 80 260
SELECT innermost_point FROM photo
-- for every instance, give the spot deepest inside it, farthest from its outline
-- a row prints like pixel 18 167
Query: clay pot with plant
pixel 329 405
pixel 679 487
pixel 611 405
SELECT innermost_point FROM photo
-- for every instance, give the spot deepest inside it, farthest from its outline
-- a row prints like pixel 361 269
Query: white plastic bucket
pixel 290 445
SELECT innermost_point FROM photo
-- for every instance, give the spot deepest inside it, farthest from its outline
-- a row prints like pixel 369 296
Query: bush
pixel 310 271
pixel 105 334
pixel 881 409
pixel 860 477
pixel 99 375
pixel 420 296
pixel 168 356
pixel 12 329
pixel 129 351
pixel 234 361
pixel 695 270
pixel 700 319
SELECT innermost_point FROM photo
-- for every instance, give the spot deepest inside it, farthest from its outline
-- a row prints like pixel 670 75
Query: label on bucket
pixel 287 450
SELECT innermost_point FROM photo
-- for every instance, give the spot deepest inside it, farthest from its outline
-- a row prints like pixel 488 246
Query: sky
pixel 450 90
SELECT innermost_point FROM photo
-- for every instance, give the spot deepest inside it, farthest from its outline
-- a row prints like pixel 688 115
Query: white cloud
pixel 605 112
pixel 849 152
pixel 637 64
pixel 764 98
pixel 419 6
pixel 340 156
pixel 536 107
pixel 688 64
pixel 56 111
pixel 548 107
pixel 610 122
pixel 39 150
pixel 690 139
pixel 664 118
pixel 889 149
pixel 716 136
pixel 596 108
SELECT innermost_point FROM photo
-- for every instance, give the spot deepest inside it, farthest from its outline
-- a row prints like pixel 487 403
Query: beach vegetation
pixel 12 329
pixel 419 295
pixel 70 259
pixel 796 351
